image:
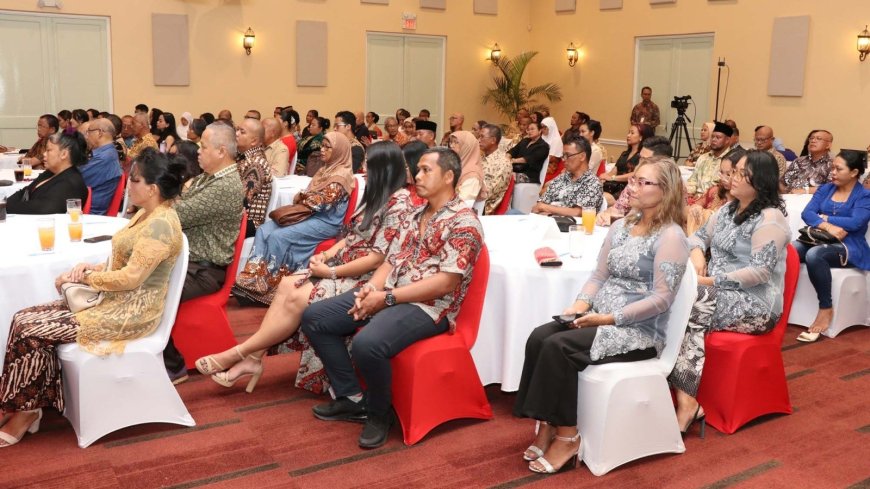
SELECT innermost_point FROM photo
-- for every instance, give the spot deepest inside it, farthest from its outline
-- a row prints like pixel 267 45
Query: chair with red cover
pixel 505 203
pixel 348 215
pixel 435 380
pixel 86 208
pixel 115 205
pixel 744 376
pixel 602 167
pixel 201 326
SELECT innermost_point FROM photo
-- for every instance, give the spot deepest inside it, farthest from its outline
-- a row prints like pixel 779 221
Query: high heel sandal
pixel 537 451
pixel 567 464
pixel 698 416
pixel 807 337
pixel 223 378
pixel 208 365
pixel 7 440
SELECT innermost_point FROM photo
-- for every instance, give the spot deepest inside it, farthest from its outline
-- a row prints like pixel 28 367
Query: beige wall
pixel 837 85
pixel 223 76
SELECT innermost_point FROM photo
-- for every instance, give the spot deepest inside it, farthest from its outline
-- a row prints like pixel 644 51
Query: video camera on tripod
pixel 679 128
pixel 681 103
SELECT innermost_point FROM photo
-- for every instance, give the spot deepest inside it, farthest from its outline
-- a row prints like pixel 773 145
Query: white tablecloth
pixel 520 294
pixel 27 274
pixel 15 187
pixel 794 205
pixel 287 188
pixel 9 161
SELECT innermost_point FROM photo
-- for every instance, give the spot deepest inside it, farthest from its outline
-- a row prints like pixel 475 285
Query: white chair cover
pixel 525 196
pixel 624 410
pixel 106 393
pixel 292 169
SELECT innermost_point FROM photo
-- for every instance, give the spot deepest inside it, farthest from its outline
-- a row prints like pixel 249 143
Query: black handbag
pixel 813 236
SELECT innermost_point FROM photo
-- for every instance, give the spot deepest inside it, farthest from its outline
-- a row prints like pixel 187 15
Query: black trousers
pixel 326 323
pixel 554 355
pixel 198 282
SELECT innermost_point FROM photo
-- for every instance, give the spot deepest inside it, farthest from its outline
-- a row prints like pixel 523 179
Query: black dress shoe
pixel 341 409
pixel 376 430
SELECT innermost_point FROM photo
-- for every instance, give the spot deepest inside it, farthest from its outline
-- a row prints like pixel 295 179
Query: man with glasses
pixel 345 122
pixel 706 172
pixel 497 166
pixel 102 172
pixel 807 173
pixel 577 187
pixel 764 142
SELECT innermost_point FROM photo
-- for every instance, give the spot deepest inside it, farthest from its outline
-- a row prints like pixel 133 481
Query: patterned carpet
pixel 270 439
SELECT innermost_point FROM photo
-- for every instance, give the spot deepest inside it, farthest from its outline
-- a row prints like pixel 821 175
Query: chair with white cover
pixel 292 169
pixel 249 242
pixel 625 410
pixel 526 194
pixel 106 393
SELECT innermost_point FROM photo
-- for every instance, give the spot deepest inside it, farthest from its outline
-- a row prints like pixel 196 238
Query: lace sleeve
pixel 152 246
pixel 769 239
pixel 601 273
pixel 702 237
pixel 669 265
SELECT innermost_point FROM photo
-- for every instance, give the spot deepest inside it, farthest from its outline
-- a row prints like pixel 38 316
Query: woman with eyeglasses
pixel 621 313
pixel 717 196
pixel 842 208
pixel 740 289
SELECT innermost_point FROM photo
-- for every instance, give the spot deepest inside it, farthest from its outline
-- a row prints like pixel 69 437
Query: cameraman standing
pixel 646 112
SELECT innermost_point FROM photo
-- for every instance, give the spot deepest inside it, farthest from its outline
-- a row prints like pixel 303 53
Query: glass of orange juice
pixel 74 209
pixel 589 219
pixel 75 231
pixel 45 226
pixel 28 171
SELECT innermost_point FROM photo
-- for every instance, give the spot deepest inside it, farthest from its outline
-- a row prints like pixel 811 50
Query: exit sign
pixel 409 21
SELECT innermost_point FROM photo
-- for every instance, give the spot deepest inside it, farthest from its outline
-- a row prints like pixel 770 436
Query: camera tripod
pixel 677 134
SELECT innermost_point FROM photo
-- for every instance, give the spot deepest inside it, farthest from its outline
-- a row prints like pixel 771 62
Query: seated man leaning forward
pixel 414 295
pixel 577 187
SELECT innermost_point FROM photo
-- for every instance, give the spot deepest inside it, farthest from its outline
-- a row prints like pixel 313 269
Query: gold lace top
pixel 135 286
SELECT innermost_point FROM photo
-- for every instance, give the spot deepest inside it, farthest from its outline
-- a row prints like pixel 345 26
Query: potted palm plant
pixel 509 93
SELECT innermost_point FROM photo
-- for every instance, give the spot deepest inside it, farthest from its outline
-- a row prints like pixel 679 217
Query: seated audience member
pixel 706 172
pixel 376 232
pixel 573 131
pixel 167 133
pixel 717 196
pixel 590 130
pixel 414 295
pixel 280 250
pixel 654 146
pixel 627 299
pixel 308 161
pixel 530 155
pixel 144 254
pixel 92 114
pixel 208 117
pixel 344 123
pixel 740 290
pixel 372 125
pixel 401 115
pixel 517 134
pixel 412 152
pixel 153 117
pixel 61 180
pixel 63 118
pixel 764 142
pixel 426 131
pixel 550 134
pixel 79 117
pixel 424 115
pixel 144 138
pixel 456 121
pixel 226 116
pixel 277 153
pixel 102 172
pixel 361 129
pixel 190 152
pixel 615 180
pixel 194 132
pixel 140 109
pixel 255 170
pixel 253 114
pixel 842 208
pixel 409 129
pixel 703 145
pixel 808 172
pixel 577 187
pixel 118 142
pixel 309 117
pixel 497 169
pixel 183 126
pixel 476 127
pixel 45 127
pixel 290 131
pixel 210 211
pixel 392 132
pixel 471 185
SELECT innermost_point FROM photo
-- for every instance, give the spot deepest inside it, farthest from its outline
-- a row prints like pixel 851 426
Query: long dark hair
pixel 155 114
pixel 763 175
pixel 170 129
pixel 385 175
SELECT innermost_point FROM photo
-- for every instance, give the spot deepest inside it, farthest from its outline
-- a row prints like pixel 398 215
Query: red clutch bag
pixel 547 257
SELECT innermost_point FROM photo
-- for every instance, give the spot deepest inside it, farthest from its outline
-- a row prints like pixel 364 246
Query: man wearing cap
pixel 426 131
pixel 706 172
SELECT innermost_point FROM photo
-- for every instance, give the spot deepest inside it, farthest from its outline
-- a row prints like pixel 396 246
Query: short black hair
pixel 208 117
pixel 494 131
pixel 646 88
pixel 425 111
pixel 65 115
pixel 855 160
pixel 51 120
pixel 347 117
pixel 659 145
pixel 314 112
pixel 141 108
pixel 80 116
pixel 448 160
pixel 198 126
pixel 594 127
pixel 582 146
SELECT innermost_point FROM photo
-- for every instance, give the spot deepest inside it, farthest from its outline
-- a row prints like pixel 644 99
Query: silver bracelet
pixel 332 273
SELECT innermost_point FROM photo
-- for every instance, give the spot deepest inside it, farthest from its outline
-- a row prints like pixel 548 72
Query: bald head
pixel 140 124
pixel 763 138
pixel 271 130
pixel 456 121
pixel 250 134
pixel 360 118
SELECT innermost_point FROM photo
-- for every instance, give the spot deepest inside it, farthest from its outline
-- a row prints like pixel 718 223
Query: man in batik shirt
pixel 807 173
pixel 646 112
pixel 255 170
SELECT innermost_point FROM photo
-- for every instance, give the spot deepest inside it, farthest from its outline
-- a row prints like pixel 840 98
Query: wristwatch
pixel 390 299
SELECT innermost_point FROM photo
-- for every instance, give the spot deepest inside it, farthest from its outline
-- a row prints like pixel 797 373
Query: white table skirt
pixel 287 188
pixel 9 161
pixel 521 295
pixel 16 186
pixel 27 274
pixel 794 205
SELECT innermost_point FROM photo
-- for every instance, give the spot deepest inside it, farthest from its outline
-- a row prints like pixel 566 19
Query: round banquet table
pixel 520 294
pixel 8 161
pixel 6 174
pixel 27 274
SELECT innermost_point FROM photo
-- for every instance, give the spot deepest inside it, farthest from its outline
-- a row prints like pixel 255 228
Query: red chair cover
pixel 553 173
pixel 201 326
pixel 744 376
pixel 435 380
pixel 505 203
pixel 86 208
pixel 602 167
pixel 118 198
pixel 348 215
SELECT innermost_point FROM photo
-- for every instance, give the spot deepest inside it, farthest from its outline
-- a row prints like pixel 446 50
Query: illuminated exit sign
pixel 409 21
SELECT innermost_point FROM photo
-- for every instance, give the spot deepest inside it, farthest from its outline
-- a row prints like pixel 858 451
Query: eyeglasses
pixel 570 155
pixel 643 182
pixel 338 124
pixel 741 175
pixel 761 140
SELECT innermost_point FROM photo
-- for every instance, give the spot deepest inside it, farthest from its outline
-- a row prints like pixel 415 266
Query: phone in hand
pixel 97 239
pixel 567 319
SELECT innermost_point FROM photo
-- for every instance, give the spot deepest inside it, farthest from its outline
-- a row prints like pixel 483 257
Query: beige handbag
pixel 79 297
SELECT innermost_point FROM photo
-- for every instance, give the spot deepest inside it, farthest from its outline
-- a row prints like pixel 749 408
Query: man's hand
pixel 368 302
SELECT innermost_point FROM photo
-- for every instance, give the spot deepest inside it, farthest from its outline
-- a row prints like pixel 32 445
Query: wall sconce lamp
pixel 572 55
pixel 495 54
pixel 248 41
pixel 863 44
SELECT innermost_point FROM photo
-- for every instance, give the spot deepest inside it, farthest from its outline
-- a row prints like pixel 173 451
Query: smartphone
pixel 97 239
pixel 568 318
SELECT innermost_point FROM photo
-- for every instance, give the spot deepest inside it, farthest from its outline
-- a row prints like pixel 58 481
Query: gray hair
pixel 224 135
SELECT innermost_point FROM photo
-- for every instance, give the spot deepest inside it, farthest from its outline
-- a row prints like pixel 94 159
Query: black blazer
pixel 51 197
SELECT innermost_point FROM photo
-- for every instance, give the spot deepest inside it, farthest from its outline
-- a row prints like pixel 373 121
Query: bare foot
pixel 822 321
pixel 545 435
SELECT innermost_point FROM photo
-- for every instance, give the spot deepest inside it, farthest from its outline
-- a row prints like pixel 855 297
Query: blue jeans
pixel 820 259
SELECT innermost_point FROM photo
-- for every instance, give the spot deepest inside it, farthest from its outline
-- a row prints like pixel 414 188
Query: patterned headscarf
pixel 338 168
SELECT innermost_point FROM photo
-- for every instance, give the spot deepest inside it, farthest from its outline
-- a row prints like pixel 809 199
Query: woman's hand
pixel 835 231
pixel 699 262
pixel 708 281
pixel 593 319
pixel 318 258
pixel 577 308
pixel 77 273
pixel 319 269
pixel 60 280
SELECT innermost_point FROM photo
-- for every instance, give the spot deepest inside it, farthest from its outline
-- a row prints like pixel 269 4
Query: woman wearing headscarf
pixel 280 251
pixel 550 134
pixel 703 145
pixel 470 186
pixel 183 126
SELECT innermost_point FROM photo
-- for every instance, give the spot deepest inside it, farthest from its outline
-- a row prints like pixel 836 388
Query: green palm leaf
pixel 509 94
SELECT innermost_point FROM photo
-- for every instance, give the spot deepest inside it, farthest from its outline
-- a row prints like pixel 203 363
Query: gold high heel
pixel 223 379
pixel 7 440
pixel 208 365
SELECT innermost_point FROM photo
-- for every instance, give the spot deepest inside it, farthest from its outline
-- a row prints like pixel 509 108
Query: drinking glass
pixel 575 241
pixel 74 209
pixel 19 174
pixel 28 170
pixel 589 219
pixel 3 209
pixel 45 227
pixel 75 231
